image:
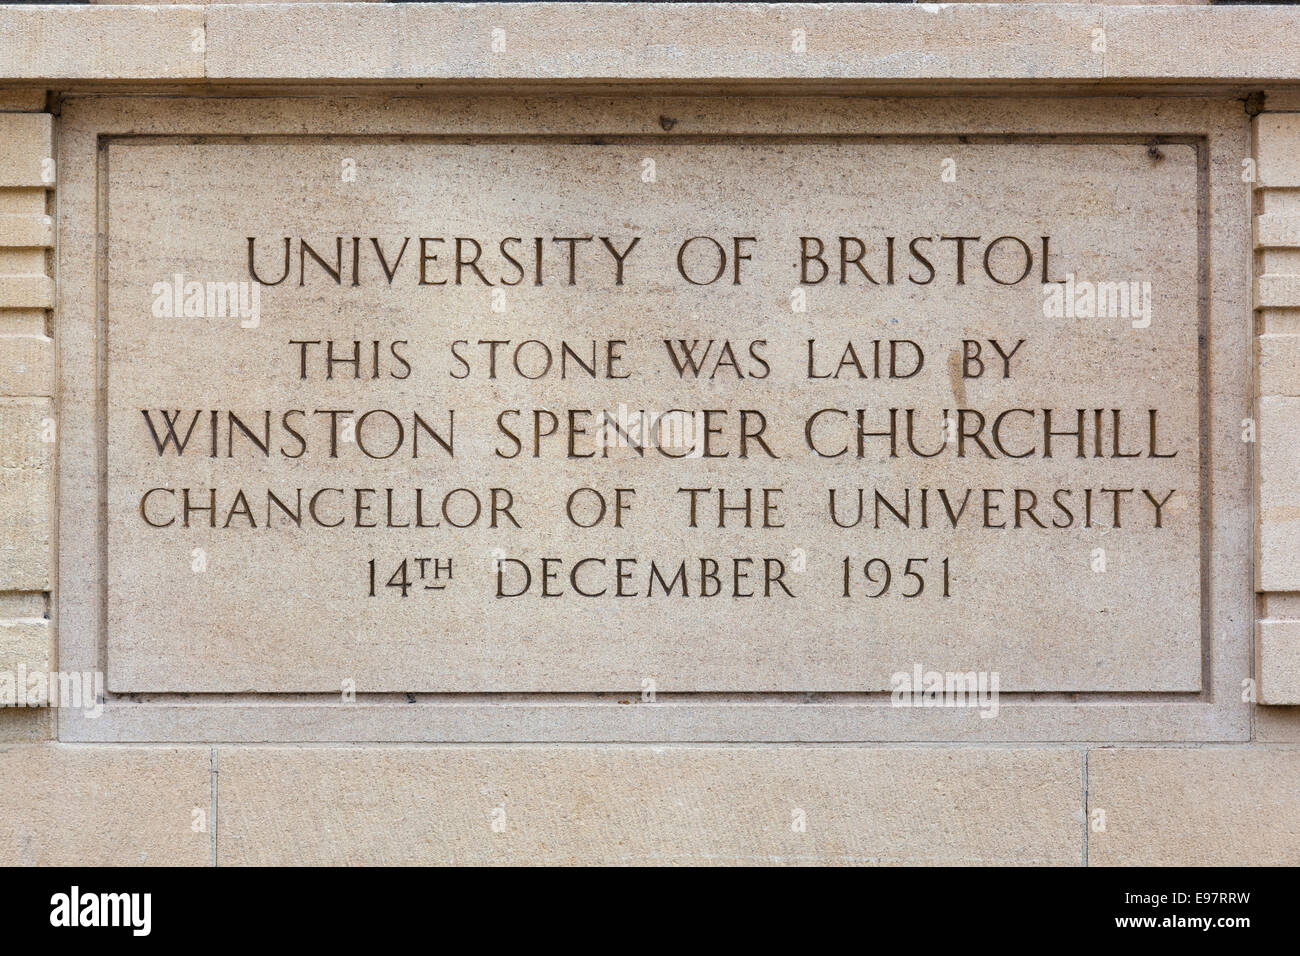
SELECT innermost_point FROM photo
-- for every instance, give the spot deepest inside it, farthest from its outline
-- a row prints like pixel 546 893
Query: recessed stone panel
pixel 565 414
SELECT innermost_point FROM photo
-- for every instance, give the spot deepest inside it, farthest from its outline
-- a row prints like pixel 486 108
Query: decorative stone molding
pixel 27 367
pixel 1277 323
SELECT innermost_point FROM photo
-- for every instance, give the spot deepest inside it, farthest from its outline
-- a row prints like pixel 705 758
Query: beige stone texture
pixel 24 322
pixel 26 201
pixel 1280 604
pixel 1208 806
pixel 1277 260
pixel 1278 649
pixel 737 41
pixel 1279 364
pixel 649 805
pixel 1277 294
pixel 1281 100
pixel 1229 42
pixel 1277 239
pixel 26 147
pixel 1278 724
pixel 15 604
pixel 652 41
pixel 26 365
pixel 26 642
pixel 1277 291
pixel 22 259
pixel 1280 321
pixel 104 806
pixel 27 291
pixel 877 43
pixel 1277 230
pixel 1278 566
pixel 26 231
pixel 53 42
pixel 1277 150
pixel 25 494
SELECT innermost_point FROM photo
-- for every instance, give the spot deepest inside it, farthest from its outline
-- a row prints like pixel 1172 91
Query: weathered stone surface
pixel 1211 806
pixel 26 148
pixel 1279 662
pixel 104 806
pixel 26 365
pixel 26 201
pixel 52 42
pixel 652 41
pixel 26 642
pixel 15 604
pixel 26 230
pixel 1278 567
pixel 1279 365
pixel 25 494
pixel 26 725
pixel 649 805
pixel 1277 230
pixel 1277 291
pixel 704 42
pixel 1277 149
pixel 1229 41
pixel 26 291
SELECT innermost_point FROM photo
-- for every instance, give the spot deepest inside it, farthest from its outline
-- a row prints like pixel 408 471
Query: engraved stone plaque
pixel 746 414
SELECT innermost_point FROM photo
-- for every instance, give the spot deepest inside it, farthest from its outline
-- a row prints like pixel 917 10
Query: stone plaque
pixel 747 414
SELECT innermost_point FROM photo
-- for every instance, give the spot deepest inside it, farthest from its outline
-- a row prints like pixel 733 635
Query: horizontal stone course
pixel 1212 806
pixel 1277 230
pixel 1158 806
pixel 651 41
pixel 634 804
pixel 104 806
pixel 26 231
pixel 26 291
pixel 100 42
pixel 1277 291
